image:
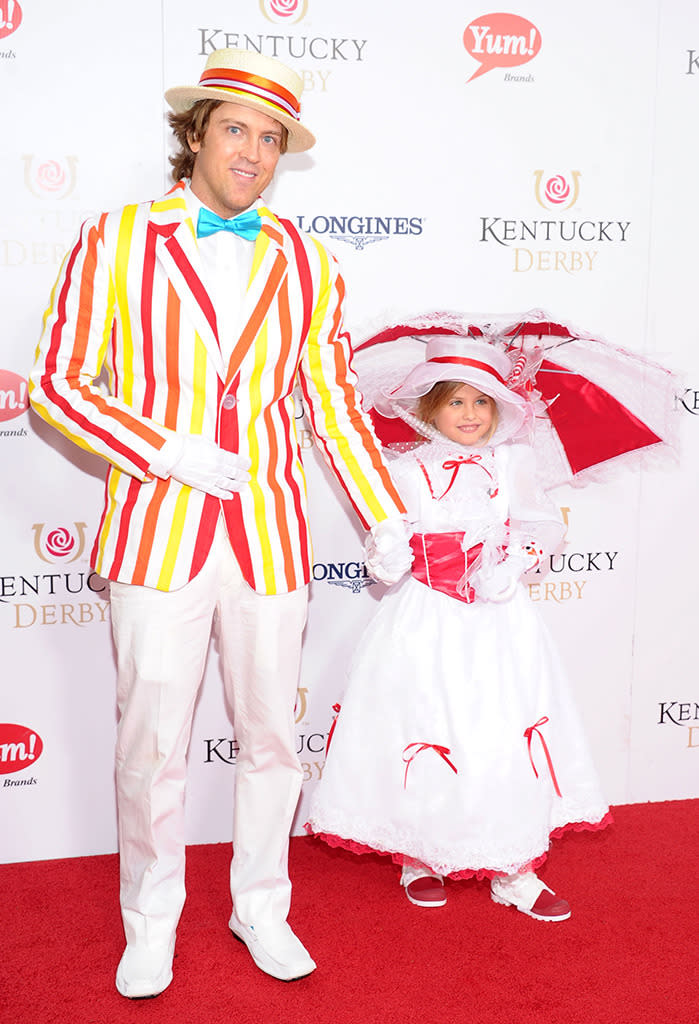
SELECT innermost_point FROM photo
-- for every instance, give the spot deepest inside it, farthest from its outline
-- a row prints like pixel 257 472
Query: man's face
pixel 236 158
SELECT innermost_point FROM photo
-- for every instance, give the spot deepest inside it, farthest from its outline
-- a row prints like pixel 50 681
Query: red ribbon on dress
pixel 442 751
pixel 336 709
pixel 528 733
pixel 455 465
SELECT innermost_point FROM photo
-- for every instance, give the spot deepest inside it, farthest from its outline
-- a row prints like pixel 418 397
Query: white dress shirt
pixel 227 262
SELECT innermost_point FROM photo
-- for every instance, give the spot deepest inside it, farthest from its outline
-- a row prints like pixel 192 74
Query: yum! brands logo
pixel 50 178
pixel 20 747
pixel 284 12
pixel 502 41
pixel 14 400
pixel 59 544
pixel 10 17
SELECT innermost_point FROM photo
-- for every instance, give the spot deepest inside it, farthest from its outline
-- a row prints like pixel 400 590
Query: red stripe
pixel 233 509
pixel 193 282
pixel 124 523
pixel 475 363
pixel 205 534
pixel 304 271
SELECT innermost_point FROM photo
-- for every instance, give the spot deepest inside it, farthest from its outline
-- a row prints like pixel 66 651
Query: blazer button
pixel 228 402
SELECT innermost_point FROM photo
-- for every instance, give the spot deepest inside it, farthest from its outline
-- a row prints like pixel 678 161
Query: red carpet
pixel 628 955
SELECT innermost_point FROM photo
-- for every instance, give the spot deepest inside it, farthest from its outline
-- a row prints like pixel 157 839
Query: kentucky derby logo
pixel 59 544
pixel 10 17
pixel 50 178
pixel 501 41
pixel 284 11
pixel 13 395
pixel 556 192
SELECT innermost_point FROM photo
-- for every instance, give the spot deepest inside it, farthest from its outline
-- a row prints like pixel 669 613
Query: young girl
pixel 457 749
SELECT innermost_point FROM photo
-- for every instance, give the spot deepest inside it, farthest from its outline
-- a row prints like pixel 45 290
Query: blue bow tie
pixel 247 224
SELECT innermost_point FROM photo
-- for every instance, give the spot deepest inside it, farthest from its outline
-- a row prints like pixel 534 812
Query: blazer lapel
pixel 269 269
pixel 177 252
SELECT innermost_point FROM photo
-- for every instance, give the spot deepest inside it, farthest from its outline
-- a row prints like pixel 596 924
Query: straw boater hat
pixel 468 361
pixel 248 78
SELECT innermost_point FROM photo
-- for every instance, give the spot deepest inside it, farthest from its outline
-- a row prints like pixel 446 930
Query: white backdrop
pixel 561 178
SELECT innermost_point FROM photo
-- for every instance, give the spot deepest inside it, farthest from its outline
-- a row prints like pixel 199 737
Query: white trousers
pixel 161 641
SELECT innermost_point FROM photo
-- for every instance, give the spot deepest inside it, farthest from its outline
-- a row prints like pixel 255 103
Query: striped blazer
pixel 129 300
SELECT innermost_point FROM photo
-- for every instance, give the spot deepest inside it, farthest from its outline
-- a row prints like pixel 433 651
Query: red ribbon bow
pixel 455 465
pixel 528 733
pixel 442 751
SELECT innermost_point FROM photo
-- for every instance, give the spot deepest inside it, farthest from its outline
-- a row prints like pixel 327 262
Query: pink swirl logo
pixel 54 179
pixel 60 543
pixel 283 8
pixel 50 176
pixel 557 191
pixel 288 11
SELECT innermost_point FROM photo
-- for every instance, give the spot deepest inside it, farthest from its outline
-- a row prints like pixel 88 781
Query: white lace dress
pixel 458 743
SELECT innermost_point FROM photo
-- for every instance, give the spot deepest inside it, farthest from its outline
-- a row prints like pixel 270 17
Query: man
pixel 205 320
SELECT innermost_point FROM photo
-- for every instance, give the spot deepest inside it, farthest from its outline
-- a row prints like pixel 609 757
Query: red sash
pixel 440 563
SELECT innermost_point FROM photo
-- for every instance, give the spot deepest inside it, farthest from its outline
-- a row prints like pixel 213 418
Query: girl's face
pixel 466 417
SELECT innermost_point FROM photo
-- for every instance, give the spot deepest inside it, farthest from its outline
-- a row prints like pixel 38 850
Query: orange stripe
pixel 172 337
pixel 148 532
pixel 258 315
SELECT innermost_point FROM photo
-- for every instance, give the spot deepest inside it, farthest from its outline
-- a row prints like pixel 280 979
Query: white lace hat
pixel 249 78
pixel 468 361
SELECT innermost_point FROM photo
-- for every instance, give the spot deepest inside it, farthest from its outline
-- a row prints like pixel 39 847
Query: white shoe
pixel 143 973
pixel 530 896
pixel 274 948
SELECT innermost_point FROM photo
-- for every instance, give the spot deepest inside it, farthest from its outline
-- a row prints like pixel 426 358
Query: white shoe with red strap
pixel 530 896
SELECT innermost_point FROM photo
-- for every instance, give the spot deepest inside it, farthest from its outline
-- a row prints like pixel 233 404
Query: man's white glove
pixel 498 582
pixel 199 462
pixel 387 552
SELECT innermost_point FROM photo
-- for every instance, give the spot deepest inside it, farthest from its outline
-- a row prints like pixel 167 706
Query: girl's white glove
pixel 387 552
pixel 497 583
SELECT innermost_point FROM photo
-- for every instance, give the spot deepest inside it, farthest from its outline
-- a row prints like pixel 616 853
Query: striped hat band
pixel 245 84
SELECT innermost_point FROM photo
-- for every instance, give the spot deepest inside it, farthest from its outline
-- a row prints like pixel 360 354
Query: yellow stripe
pixel 114 478
pixel 196 422
pixel 261 245
pixel 344 448
pixel 174 201
pixel 174 540
pixel 255 399
pixel 121 266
